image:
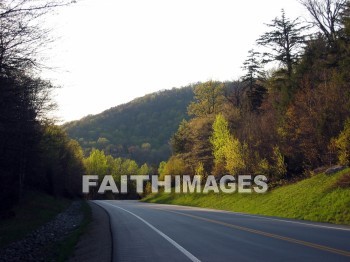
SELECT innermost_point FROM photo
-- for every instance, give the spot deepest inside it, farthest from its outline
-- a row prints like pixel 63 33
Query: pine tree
pixel 284 41
pixel 253 79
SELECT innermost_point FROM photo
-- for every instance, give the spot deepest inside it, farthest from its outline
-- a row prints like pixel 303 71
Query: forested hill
pixel 140 129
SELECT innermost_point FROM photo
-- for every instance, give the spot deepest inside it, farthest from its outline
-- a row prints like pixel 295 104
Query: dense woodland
pixel 139 130
pixel 35 154
pixel 282 123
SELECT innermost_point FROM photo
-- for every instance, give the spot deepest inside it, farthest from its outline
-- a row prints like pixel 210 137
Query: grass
pixel 316 199
pixel 33 211
pixel 65 248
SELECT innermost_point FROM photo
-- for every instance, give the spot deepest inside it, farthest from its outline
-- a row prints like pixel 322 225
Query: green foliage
pixel 145 170
pixel 200 170
pixel 310 199
pixel 227 150
pixel 263 168
pixel 96 164
pixel 219 139
pixel 279 167
pixel 208 99
pixel 180 142
pixel 61 167
pixel 174 167
pixel 191 142
pixel 33 211
pixel 148 189
pixel 236 156
pixel 342 143
pixel 284 119
pixel 138 130
pixel 102 142
pixel 284 41
pixel 253 80
pixel 101 165
pixel 161 168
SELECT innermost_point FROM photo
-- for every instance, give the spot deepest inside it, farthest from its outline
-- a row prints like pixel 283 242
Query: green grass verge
pixel 314 199
pixel 65 248
pixel 33 211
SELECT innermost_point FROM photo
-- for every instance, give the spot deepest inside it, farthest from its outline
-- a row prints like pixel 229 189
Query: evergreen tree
pixel 253 80
pixel 284 41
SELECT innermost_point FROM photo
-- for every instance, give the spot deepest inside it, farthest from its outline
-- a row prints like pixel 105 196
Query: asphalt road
pixel 153 232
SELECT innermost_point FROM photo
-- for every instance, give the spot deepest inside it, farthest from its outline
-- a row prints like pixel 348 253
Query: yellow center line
pixel 288 239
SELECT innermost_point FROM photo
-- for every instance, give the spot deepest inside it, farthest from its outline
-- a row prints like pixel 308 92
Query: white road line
pixel 179 247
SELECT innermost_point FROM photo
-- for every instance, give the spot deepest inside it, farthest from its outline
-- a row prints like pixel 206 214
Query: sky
pixel 108 52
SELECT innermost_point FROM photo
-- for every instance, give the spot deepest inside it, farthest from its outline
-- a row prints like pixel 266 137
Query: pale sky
pixel 109 52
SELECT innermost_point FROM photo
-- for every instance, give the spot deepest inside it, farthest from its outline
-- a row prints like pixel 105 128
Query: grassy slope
pixel 34 210
pixel 311 199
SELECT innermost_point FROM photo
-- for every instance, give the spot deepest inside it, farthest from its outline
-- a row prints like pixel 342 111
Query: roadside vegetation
pixel 40 166
pixel 35 210
pixel 138 130
pixel 35 153
pixel 282 123
pixel 321 198
pixel 63 250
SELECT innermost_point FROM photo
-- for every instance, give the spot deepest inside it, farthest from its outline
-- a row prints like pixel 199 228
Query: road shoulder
pixel 96 243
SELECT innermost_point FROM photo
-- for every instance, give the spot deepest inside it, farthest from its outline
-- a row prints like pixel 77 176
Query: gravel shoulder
pixel 36 245
pixel 96 243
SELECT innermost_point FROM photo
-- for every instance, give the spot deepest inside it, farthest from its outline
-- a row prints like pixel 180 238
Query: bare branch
pixel 326 15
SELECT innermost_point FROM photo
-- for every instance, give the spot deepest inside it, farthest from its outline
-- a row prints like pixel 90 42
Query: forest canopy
pixel 282 123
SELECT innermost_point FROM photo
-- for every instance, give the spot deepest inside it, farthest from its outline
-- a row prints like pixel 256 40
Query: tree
pixel 144 170
pixel 96 164
pixel 180 142
pixel 284 40
pixel 253 80
pixel 326 16
pixel 279 168
pixel 208 99
pixel 22 35
pixel 342 143
pixel 227 150
pixel 24 97
pixel 56 166
pixel 174 167
pixel 236 156
pixel 219 139
pixel 345 20
pixel 24 102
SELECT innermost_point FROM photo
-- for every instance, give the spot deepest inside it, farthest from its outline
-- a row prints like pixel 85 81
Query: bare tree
pixel 21 34
pixel 326 16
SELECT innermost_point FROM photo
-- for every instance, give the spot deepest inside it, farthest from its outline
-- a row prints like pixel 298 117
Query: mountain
pixel 139 130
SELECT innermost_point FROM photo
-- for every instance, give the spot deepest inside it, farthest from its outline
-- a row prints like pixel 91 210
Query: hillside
pixel 322 198
pixel 139 130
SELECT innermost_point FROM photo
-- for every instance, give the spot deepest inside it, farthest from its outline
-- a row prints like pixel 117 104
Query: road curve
pixel 153 232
